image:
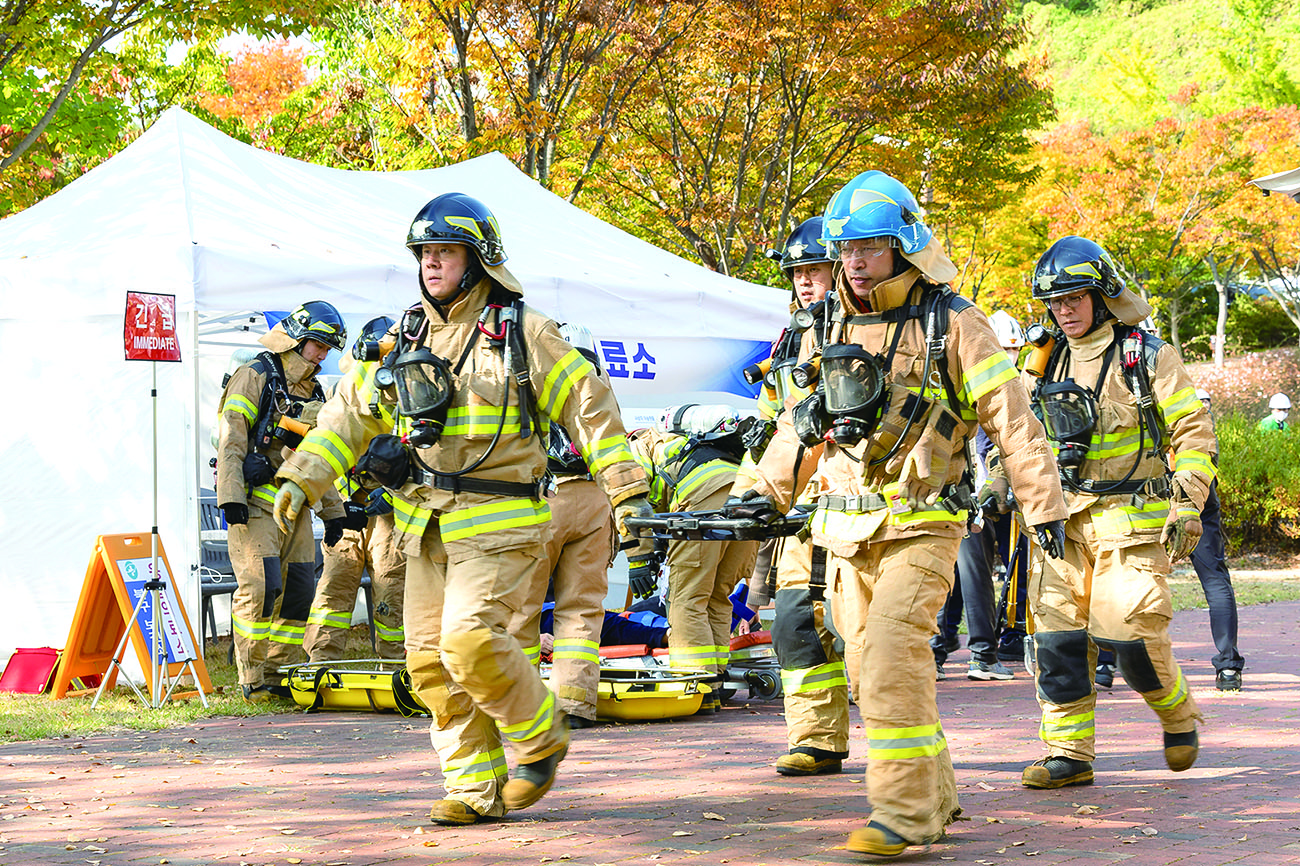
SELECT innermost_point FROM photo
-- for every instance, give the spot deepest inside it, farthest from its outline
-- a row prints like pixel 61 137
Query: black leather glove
pixel 378 503
pixel 334 531
pixel 751 504
pixel 236 513
pixel 1051 537
pixel 356 516
pixel 641 577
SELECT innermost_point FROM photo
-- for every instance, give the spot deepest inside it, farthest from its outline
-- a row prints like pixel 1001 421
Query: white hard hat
pixel 1009 332
pixel 1202 394
pixel 1279 401
pixel 582 340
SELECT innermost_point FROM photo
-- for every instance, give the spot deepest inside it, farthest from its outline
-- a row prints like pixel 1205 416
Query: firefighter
pixel 814 684
pixel 578 558
pixel 1114 398
pixel 693 474
pixel 275 571
pixel 369 544
pixel 905 377
pixel 452 419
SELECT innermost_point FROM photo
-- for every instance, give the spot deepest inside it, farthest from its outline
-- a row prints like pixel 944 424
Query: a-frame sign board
pixel 112 591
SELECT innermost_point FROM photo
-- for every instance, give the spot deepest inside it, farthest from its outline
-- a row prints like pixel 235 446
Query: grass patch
pixel 37 717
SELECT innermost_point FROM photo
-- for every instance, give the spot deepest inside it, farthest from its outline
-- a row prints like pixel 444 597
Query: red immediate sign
pixel 151 327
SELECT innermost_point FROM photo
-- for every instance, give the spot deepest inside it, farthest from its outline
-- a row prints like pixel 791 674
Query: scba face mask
pixel 424 392
pixel 853 380
pixel 1069 412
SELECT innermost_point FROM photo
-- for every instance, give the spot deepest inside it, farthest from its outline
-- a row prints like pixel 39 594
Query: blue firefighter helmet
pixel 804 247
pixel 1074 264
pixel 875 205
pixel 319 321
pixel 457 218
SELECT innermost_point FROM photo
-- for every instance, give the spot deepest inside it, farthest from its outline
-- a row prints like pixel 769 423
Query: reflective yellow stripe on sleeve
pixel 1179 404
pixel 241 404
pixel 1195 461
pixel 606 452
pixel 561 379
pixel 988 374
pixel 329 447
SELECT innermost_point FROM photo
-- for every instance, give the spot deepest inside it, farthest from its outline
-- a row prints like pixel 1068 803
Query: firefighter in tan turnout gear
pixel 265 407
pixel 454 417
pixel 1115 399
pixel 369 543
pixel 692 473
pixel 907 374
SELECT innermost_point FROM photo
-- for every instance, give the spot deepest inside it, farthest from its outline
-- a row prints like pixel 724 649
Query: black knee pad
pixel 1063 670
pixel 794 632
pixel 271 577
pixel 1134 663
pixel 299 590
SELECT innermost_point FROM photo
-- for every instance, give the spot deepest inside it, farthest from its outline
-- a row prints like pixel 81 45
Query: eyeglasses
pixel 441 252
pixel 1056 305
pixel 862 251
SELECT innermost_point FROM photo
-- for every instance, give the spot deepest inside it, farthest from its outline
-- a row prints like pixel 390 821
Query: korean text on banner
pixel 150 327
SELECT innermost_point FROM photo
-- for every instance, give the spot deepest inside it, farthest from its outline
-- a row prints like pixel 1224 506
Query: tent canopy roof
pixel 1286 182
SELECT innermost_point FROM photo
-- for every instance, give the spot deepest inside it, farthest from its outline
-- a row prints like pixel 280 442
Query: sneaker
pixel 1105 676
pixel 453 813
pixel 876 838
pixel 939 675
pixel 1228 680
pixel 1057 771
pixel 532 781
pixel 1181 750
pixel 986 671
pixel 809 762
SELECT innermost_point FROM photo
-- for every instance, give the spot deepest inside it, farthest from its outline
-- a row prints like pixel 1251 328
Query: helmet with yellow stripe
pixel 457 218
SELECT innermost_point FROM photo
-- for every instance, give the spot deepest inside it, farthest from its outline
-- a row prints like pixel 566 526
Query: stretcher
pixel 753 666
pixel 717 526
pixel 375 685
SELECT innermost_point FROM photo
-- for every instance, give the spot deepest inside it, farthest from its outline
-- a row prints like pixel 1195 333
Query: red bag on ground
pixel 29 670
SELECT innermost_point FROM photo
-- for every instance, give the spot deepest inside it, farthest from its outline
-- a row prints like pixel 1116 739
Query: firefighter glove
pixel 1051 537
pixel 236 513
pixel 751 505
pixel 378 502
pixel 334 530
pixel 356 516
pixel 636 506
pixel 995 497
pixel 1182 530
pixel 641 577
pixel 289 500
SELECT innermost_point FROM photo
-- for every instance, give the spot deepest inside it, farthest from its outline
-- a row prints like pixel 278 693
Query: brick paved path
pixel 355 788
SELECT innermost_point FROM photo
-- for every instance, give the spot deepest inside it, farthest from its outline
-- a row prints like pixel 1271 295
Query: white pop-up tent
pixel 1286 182
pixel 233 231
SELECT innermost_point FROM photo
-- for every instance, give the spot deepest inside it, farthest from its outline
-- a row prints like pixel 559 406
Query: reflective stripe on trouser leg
pixel 701 576
pixel 1058 595
pixel 480 596
pixel 815 689
pixel 578 556
pixel 1131 609
pixel 330 618
pixel 255 552
pixel 910 778
pixel 289 620
pixel 388 586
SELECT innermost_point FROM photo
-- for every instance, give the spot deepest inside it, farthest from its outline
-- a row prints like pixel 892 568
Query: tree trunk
pixel 1174 316
pixel 1221 320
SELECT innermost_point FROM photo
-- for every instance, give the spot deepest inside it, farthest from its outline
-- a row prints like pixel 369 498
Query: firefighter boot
pixel 805 761
pixel 1181 750
pixel 532 781
pixel 1057 771
pixel 876 838
pixel 453 813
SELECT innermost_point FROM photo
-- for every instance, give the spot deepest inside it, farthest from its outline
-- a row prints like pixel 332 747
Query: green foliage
pixel 1256 324
pixel 1259 485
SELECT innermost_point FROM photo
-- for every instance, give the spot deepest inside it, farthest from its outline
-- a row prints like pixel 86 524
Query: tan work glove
pixel 309 412
pixel 995 496
pixel 633 542
pixel 289 500
pixel 1182 530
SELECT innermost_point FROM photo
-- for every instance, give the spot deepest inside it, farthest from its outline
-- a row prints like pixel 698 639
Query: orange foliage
pixel 261 77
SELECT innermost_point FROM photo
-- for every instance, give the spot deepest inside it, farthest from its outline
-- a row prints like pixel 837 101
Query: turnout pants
pixel 275 577
pixel 469 668
pixel 701 576
pixel 578 557
pixel 1117 598
pixel 373 549
pixel 897 588
pixel 813 680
